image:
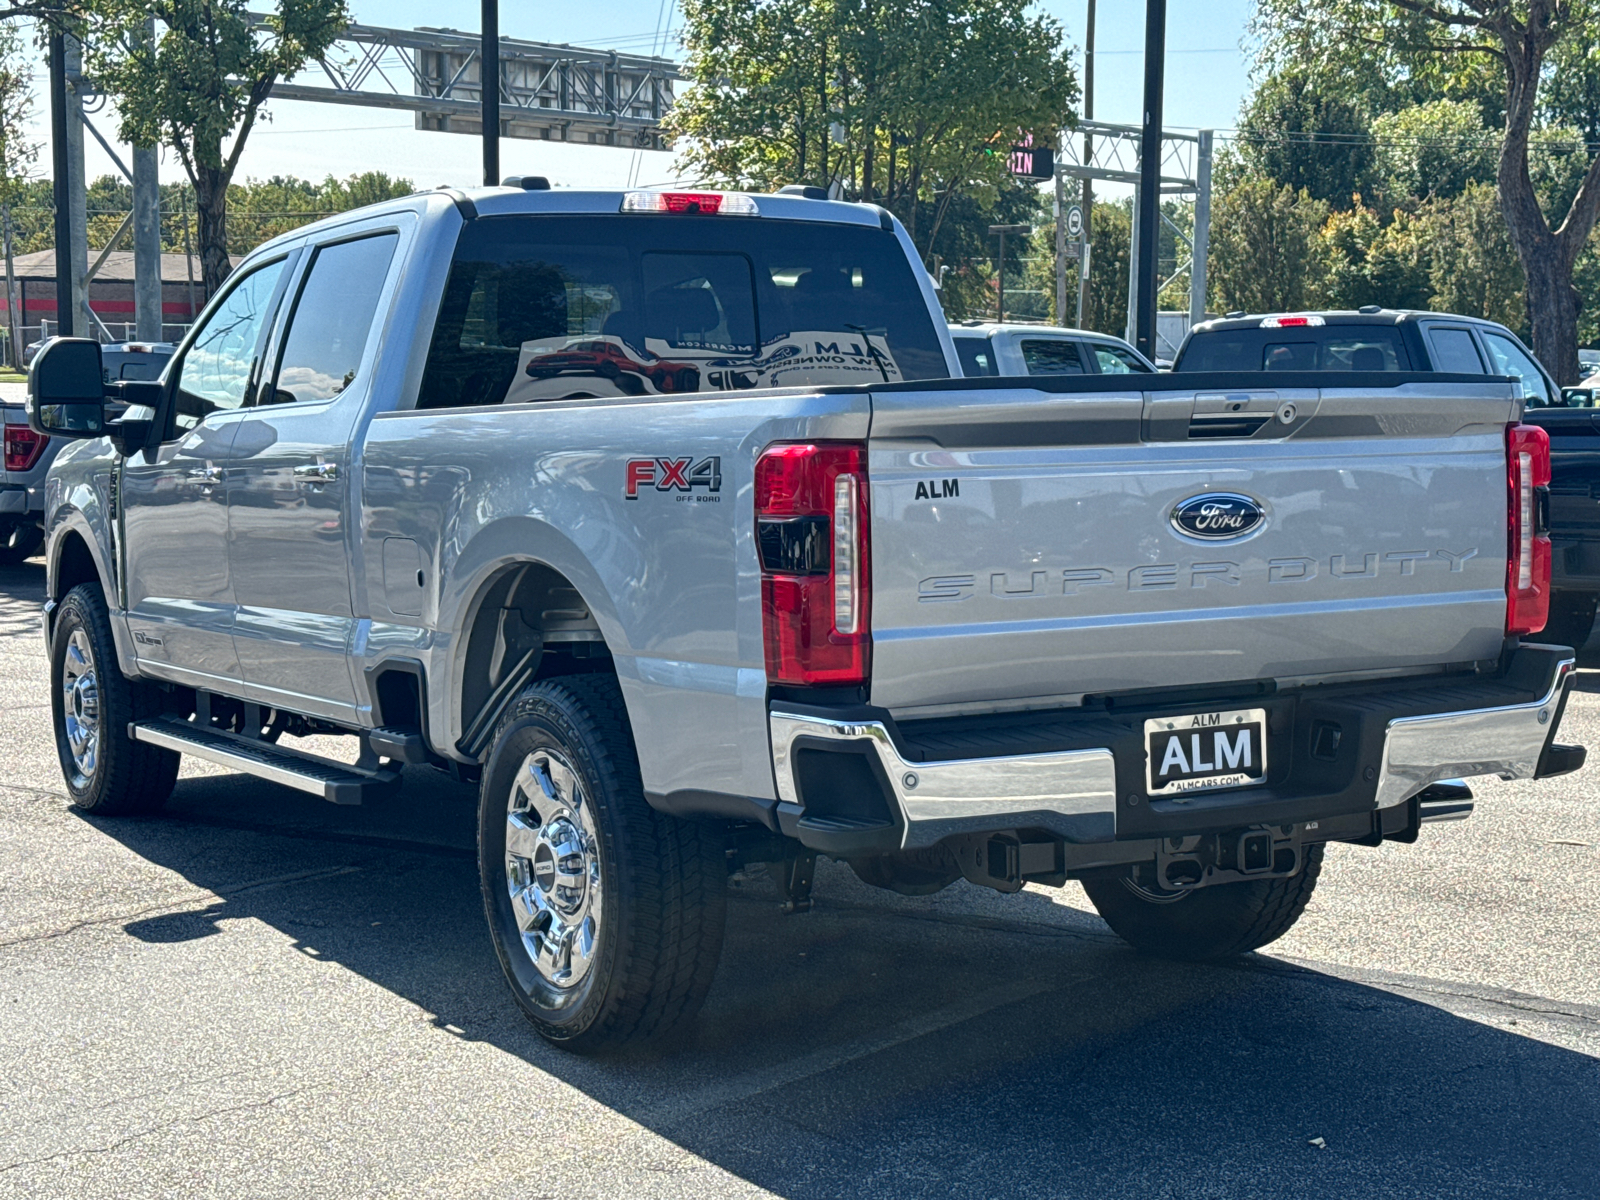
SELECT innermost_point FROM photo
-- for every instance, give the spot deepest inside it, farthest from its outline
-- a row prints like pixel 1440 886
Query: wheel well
pixel 74 565
pixel 530 622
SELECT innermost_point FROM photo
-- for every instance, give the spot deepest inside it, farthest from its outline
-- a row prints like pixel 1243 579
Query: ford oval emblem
pixel 1217 516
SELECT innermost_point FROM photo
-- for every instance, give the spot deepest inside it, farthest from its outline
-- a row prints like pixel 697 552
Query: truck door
pixel 290 542
pixel 179 599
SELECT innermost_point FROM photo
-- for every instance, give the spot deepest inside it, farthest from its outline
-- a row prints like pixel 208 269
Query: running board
pixel 340 783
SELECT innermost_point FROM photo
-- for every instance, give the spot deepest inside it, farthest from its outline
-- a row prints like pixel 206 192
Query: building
pixel 110 294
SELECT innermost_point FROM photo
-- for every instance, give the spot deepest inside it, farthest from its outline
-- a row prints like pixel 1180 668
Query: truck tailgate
pixel 1025 544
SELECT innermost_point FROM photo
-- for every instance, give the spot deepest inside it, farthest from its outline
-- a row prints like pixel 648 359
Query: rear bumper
pixel 858 783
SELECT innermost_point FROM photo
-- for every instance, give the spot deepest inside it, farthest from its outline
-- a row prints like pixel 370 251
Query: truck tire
pixel 19 541
pixel 606 915
pixel 1571 619
pixel 106 771
pixel 1222 921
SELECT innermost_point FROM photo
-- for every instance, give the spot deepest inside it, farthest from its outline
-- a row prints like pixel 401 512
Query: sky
pixel 1207 75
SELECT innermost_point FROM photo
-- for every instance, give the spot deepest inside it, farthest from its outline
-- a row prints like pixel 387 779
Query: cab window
pixel 1508 358
pixel 332 319
pixel 977 357
pixel 1454 351
pixel 1117 360
pixel 218 366
pixel 1052 357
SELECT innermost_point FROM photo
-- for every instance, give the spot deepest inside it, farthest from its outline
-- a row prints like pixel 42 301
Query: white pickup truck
pixel 668 517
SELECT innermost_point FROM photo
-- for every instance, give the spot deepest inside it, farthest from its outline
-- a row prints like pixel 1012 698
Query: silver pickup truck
pixel 668 517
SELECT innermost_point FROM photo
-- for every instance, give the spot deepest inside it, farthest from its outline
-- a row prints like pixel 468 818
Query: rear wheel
pixel 1206 923
pixel 1571 619
pixel 606 915
pixel 19 540
pixel 94 702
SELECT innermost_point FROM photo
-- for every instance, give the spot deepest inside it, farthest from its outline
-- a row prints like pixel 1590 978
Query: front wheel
pixel 106 771
pixel 605 914
pixel 1222 921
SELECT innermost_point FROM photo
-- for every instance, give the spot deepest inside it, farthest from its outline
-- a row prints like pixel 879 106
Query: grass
pixel 9 376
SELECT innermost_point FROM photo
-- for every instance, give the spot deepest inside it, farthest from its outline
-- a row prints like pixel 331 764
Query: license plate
pixel 1205 751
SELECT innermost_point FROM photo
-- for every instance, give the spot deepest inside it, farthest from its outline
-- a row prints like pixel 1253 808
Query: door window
pixel 1454 351
pixel 1117 360
pixel 1510 359
pixel 332 319
pixel 1052 357
pixel 977 359
pixel 218 366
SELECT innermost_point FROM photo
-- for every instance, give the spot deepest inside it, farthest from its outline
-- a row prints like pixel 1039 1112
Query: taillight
pixel 23 447
pixel 1528 546
pixel 1291 322
pixel 811 528
pixel 727 204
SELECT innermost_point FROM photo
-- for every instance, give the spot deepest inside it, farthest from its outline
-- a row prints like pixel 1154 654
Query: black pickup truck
pixel 1384 339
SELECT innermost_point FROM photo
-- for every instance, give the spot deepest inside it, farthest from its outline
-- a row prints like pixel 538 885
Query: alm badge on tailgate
pixel 1204 751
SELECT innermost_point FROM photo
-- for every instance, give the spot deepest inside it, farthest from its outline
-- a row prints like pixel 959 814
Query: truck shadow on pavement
pixel 960 1045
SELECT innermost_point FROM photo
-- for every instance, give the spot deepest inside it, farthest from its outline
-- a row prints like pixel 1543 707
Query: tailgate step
pixel 340 783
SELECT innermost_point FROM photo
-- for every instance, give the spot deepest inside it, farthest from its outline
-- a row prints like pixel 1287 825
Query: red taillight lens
pixel 1528 544
pixel 23 447
pixel 728 204
pixel 811 526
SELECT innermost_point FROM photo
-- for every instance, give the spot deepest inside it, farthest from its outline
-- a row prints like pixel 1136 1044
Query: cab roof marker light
pixel 1291 322
pixel 727 204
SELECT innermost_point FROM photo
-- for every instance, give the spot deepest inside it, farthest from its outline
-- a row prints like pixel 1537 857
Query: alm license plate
pixel 1205 751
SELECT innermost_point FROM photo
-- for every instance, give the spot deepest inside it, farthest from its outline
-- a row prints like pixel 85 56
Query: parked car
pixel 135 360
pixel 1007 630
pixel 1588 363
pixel 989 348
pixel 1405 341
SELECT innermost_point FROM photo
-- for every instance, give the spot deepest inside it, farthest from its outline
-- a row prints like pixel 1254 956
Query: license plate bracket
pixel 1205 752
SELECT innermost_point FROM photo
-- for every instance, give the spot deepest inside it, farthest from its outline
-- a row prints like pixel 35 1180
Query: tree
pixel 914 104
pixel 201 81
pixel 1433 149
pixel 1296 133
pixel 1267 251
pixel 1475 271
pixel 17 152
pixel 1451 43
pixel 1375 263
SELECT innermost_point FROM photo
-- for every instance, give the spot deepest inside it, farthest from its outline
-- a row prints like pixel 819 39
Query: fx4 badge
pixel 675 475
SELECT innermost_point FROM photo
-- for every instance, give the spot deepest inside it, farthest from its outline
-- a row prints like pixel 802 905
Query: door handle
pixel 321 472
pixel 206 476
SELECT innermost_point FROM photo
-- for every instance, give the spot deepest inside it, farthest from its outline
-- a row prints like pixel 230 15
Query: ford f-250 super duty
pixel 668 518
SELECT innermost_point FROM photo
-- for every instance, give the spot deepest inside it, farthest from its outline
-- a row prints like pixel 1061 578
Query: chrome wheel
pixel 553 868
pixel 80 702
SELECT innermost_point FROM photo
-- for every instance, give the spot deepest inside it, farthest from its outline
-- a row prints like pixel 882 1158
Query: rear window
pixel 977 357
pixel 1325 348
pixel 572 307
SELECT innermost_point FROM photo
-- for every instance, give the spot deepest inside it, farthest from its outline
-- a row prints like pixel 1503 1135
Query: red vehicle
pixel 611 359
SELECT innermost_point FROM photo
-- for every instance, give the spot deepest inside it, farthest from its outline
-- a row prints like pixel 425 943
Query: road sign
pixel 1075 222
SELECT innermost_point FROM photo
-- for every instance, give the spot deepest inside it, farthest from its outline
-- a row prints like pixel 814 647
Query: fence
pixel 121 331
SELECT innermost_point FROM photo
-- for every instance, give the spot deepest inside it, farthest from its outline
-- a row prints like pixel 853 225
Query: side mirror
pixel 66 390
pixel 1578 397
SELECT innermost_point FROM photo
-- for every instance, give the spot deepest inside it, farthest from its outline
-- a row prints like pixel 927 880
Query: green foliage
pixel 1433 149
pixel 1267 249
pixel 1475 270
pixel 1374 263
pixel 18 152
pixel 1307 139
pixel 910 103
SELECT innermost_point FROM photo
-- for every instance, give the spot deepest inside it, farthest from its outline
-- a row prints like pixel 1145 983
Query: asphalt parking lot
pixel 256 994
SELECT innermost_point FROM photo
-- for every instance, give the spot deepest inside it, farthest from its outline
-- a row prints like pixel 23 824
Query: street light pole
pixel 1149 233
pixel 489 60
pixel 1002 230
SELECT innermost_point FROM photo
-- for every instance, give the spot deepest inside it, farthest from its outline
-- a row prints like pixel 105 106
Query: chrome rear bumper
pixel 1073 793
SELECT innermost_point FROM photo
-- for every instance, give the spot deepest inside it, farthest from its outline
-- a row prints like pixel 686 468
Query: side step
pixel 335 781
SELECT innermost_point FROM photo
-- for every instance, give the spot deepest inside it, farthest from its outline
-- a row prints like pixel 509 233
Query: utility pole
pixel 146 236
pixel 1002 230
pixel 489 59
pixel 13 319
pixel 1149 200
pixel 60 166
pixel 77 197
pixel 1200 244
pixel 188 254
pixel 1088 157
